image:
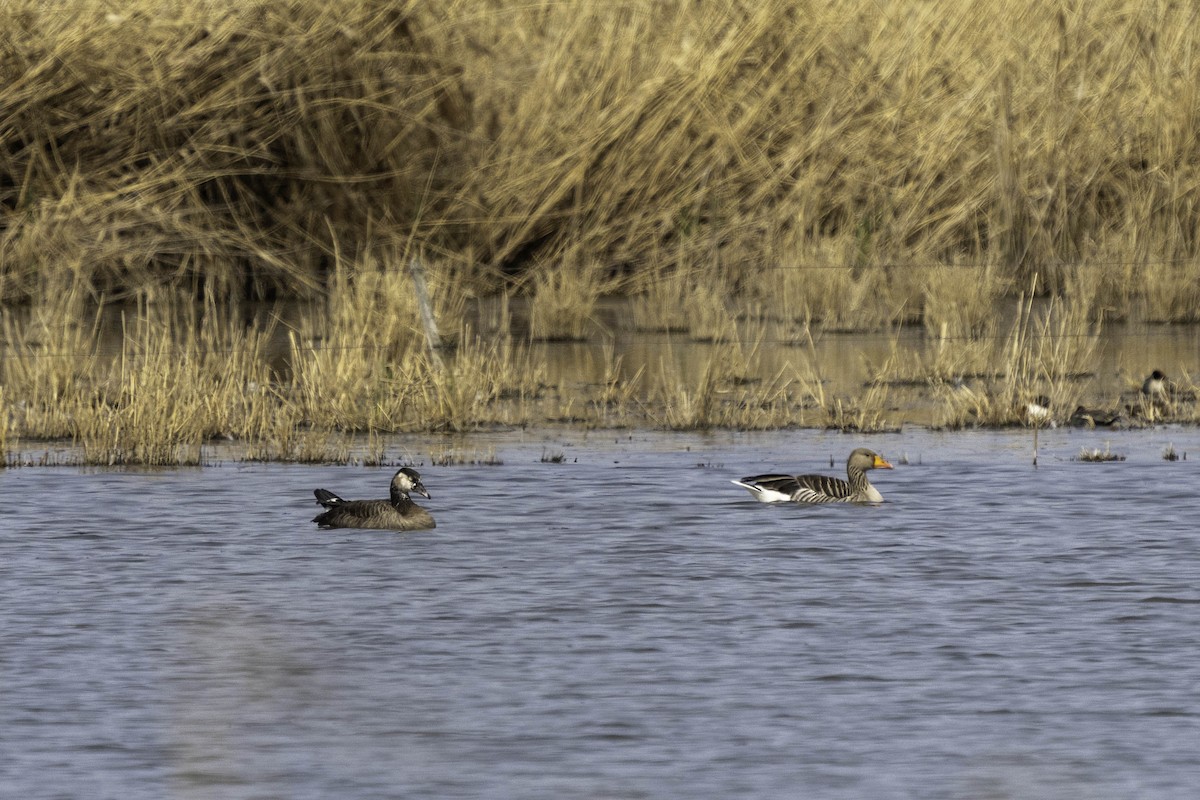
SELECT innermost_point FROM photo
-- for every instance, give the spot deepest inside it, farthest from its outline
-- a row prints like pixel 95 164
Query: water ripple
pixel 601 629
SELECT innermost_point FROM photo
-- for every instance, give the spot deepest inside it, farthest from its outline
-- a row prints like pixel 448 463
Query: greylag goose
pixel 398 513
pixel 821 488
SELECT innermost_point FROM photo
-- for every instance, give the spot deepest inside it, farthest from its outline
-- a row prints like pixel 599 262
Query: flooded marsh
pixel 174 383
pixel 664 244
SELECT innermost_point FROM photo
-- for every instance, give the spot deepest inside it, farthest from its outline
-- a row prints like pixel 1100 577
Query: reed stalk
pixel 1045 353
pixel 660 301
pixel 564 300
pixel 1172 292
pixel 620 391
pixel 7 444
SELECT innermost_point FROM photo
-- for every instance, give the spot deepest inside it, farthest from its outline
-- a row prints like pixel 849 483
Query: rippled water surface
pixel 626 624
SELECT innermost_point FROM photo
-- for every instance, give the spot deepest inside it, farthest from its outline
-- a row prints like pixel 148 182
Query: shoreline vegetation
pixel 167 381
pixel 1007 177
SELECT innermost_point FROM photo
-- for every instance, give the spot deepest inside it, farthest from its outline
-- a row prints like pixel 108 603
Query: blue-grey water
pixel 626 624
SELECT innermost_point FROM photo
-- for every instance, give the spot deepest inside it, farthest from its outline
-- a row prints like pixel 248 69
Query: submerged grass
pixel 457 457
pixel 660 301
pixel 564 300
pixel 1096 455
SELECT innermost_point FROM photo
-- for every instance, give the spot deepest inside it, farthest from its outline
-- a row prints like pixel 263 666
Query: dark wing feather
pixel 327 498
pixel 786 484
pixel 351 513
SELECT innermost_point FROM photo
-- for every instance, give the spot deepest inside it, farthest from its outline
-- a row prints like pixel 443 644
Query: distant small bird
pixel 1157 397
pixel 1037 410
pixel 398 513
pixel 776 488
pixel 1156 386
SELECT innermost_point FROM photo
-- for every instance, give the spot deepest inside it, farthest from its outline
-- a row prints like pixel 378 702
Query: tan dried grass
pixel 960 302
pixel 221 145
pixel 564 299
pixel 867 412
pixel 783 155
pixel 715 392
pixel 8 440
pixel 660 301
pixel 1172 292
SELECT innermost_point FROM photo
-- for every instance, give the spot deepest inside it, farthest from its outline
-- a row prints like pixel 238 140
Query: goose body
pixel 397 513
pixel 775 488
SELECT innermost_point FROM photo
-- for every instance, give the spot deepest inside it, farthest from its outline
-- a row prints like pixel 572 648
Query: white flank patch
pixel 764 495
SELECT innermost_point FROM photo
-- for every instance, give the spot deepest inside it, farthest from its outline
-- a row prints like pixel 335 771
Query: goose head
pixel 408 480
pixel 867 459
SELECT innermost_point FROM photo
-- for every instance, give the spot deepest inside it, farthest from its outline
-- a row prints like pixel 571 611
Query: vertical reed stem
pixel 1035 442
pixel 431 331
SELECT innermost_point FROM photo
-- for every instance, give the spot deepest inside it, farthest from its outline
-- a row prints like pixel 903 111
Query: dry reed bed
pixel 167 380
pixel 818 158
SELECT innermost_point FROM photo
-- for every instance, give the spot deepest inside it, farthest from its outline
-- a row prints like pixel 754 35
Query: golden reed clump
pixel 831 149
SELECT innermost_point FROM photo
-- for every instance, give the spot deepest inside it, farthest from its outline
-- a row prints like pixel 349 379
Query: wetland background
pixel 718 217
pixel 679 215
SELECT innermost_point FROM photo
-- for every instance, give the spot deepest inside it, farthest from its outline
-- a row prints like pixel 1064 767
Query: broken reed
pixel 812 157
